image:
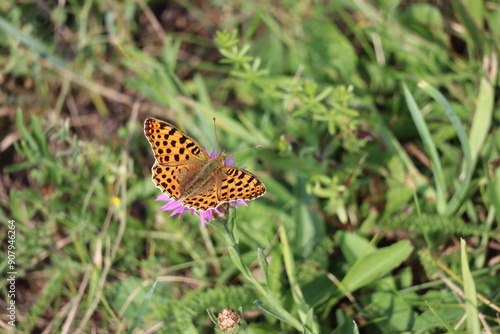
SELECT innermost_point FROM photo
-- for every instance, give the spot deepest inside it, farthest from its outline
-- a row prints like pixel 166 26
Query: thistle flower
pixel 178 208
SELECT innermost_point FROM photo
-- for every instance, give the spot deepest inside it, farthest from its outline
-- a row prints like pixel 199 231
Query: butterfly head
pixel 221 159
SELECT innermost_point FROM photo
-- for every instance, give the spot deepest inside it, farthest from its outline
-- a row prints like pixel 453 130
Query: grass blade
pixel 30 42
pixel 461 191
pixel 470 18
pixel 423 130
pixel 142 309
pixel 441 320
pixel 483 114
pixel 303 308
pixel 470 292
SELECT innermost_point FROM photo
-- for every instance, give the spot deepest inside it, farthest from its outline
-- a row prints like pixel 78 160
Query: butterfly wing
pixel 205 197
pixel 168 179
pixel 177 156
pixel 229 184
pixel 171 146
pixel 238 184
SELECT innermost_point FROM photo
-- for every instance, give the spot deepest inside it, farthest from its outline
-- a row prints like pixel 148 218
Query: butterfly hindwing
pixel 205 197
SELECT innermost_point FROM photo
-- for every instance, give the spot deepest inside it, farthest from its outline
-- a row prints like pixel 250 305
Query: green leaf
pixel 470 292
pixel 346 325
pixel 31 42
pixel 238 262
pixel 298 297
pixel 353 246
pixel 471 18
pixel 142 308
pixel 463 188
pixel 395 313
pixel 481 123
pixel 263 264
pixel 434 317
pixel 377 264
pixel 212 317
pixel 309 228
pixel 425 134
pixel 285 317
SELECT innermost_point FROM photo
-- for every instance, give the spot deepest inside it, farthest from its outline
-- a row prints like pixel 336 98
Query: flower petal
pixel 239 202
pixel 202 219
pixel 171 206
pixel 163 197
pixel 230 161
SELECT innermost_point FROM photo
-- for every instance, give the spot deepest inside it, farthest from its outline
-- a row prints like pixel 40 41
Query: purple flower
pixel 178 208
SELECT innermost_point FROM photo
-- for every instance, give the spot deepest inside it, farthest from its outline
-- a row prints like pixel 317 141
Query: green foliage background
pixel 378 126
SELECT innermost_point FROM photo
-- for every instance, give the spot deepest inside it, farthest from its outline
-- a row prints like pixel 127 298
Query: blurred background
pixel 378 126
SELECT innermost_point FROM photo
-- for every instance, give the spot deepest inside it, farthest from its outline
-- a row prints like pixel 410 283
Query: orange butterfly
pixel 185 172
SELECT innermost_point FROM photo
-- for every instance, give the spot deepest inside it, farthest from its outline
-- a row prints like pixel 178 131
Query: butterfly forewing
pixel 170 145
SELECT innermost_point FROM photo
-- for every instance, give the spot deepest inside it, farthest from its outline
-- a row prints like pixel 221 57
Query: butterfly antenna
pixel 218 142
pixel 217 136
pixel 246 149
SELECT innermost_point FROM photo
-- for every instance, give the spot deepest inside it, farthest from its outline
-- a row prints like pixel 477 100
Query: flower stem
pixel 226 228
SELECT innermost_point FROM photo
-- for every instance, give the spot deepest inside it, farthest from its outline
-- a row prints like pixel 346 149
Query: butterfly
pixel 184 171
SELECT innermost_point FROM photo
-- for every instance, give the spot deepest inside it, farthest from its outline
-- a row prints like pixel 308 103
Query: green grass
pixel 378 131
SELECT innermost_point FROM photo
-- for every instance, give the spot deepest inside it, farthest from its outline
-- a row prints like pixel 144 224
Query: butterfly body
pixel 185 172
pixel 192 183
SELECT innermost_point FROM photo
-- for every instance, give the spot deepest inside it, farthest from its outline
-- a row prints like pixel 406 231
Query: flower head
pixel 178 208
pixel 229 321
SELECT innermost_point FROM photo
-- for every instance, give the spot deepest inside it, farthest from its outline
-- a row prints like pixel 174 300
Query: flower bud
pixel 228 320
